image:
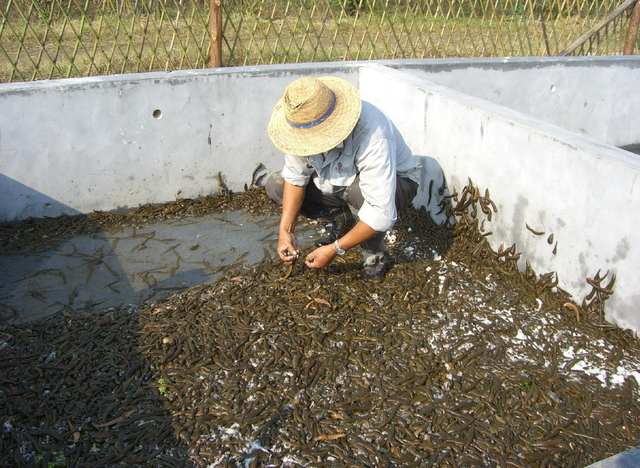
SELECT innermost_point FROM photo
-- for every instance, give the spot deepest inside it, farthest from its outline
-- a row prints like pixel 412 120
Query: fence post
pixel 215 33
pixel 594 30
pixel 632 30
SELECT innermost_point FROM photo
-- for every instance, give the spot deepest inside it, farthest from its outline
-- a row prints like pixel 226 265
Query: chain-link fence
pixel 43 39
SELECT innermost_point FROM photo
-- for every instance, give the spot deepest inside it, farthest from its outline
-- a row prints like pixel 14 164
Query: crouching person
pixel 344 159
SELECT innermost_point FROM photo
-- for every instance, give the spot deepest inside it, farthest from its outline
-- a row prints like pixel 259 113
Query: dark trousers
pixel 351 196
pixel 374 251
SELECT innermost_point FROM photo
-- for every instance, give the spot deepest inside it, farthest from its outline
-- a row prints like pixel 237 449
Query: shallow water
pixel 136 264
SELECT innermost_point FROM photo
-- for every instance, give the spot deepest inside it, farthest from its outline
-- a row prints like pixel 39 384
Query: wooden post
pixel 632 30
pixel 215 33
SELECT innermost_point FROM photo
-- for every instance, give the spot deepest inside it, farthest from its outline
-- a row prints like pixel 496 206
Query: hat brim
pixel 324 136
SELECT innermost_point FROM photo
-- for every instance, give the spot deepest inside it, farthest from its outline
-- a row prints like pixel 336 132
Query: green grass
pixel 106 43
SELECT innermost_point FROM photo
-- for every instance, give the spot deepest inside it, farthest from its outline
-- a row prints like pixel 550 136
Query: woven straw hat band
pixel 307 102
pixel 314 115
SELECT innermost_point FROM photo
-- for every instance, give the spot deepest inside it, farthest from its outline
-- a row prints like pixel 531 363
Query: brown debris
pixel 485 368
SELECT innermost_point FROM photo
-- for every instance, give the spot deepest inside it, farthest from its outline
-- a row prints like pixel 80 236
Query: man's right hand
pixel 287 248
pixel 292 197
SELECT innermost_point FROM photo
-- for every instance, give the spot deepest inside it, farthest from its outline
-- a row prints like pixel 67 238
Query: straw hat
pixel 314 115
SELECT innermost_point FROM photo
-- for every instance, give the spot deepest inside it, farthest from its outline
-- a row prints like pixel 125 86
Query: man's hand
pixel 292 198
pixel 321 257
pixel 287 248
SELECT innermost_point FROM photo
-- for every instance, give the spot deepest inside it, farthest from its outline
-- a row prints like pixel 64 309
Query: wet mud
pixel 455 359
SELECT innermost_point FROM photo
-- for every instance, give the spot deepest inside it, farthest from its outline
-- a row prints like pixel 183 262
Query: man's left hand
pixel 321 257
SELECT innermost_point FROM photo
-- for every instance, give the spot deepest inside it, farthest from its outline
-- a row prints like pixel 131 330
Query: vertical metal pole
pixel 215 33
pixel 632 30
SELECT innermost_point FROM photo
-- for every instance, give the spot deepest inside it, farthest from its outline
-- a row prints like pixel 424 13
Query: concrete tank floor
pixel 136 264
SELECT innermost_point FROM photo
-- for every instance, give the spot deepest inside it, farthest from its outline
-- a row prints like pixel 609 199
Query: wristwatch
pixel 339 251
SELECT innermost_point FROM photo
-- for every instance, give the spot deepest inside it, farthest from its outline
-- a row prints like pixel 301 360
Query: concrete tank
pixel 552 138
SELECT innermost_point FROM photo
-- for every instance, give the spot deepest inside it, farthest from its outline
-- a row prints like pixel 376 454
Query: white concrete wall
pixel 596 96
pixel 77 145
pixel 555 180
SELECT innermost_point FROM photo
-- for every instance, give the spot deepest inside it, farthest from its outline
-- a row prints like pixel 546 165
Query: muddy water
pixel 134 264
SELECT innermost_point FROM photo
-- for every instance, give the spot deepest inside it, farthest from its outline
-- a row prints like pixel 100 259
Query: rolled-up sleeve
pixel 296 171
pixel 377 167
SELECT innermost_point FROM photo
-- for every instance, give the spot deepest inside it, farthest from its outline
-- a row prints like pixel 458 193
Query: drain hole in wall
pixel 157 114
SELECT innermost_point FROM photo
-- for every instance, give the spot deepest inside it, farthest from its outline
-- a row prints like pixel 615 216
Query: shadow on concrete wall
pixel 16 199
pixel 434 192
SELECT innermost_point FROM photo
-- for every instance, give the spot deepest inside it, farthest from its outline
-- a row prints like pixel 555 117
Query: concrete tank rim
pixel 632 61
pixel 257 70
